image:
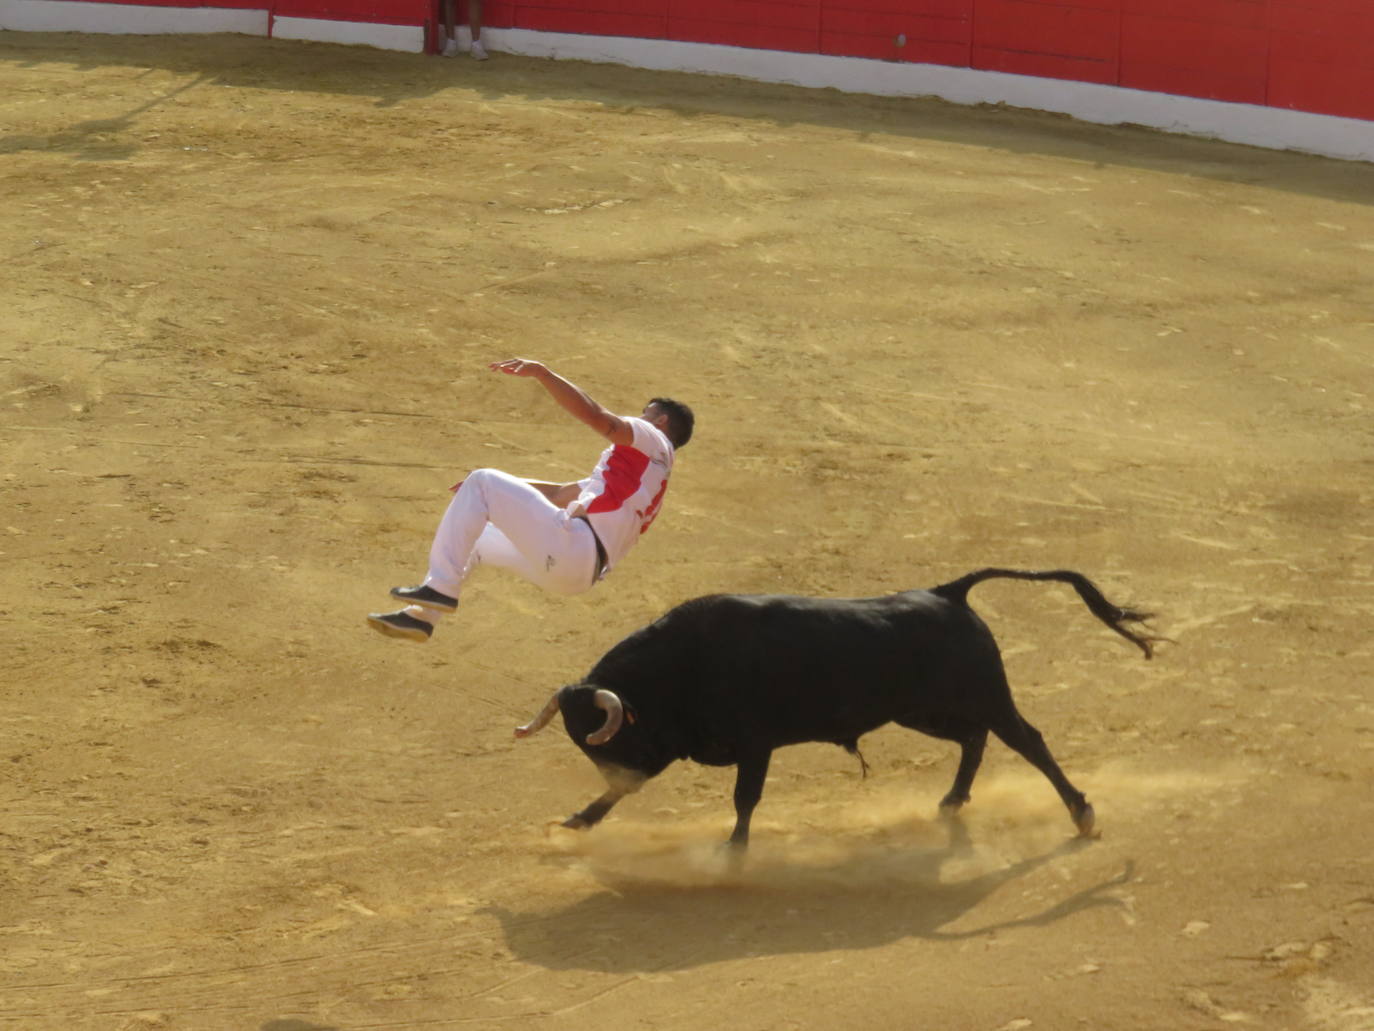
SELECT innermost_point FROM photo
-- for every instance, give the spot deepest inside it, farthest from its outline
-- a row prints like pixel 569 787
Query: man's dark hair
pixel 680 420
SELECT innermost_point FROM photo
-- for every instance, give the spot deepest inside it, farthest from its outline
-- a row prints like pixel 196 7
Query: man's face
pixel 656 416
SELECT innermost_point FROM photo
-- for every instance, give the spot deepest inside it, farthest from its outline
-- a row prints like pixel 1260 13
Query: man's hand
pixel 572 398
pixel 518 367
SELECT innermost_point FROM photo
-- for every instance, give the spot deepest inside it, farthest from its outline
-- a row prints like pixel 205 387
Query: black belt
pixel 601 562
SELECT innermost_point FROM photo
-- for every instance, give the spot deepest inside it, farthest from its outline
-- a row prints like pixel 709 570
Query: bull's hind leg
pixel 1026 740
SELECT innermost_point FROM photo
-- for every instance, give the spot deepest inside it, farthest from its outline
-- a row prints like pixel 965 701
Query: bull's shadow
pixel 646 925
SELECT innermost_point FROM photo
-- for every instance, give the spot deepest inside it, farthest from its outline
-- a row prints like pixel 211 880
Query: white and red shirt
pixel 621 497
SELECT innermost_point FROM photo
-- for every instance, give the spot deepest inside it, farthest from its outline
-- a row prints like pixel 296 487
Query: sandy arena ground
pixel 248 291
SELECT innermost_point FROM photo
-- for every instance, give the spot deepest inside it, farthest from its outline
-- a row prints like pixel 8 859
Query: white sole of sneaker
pixel 432 605
pixel 383 627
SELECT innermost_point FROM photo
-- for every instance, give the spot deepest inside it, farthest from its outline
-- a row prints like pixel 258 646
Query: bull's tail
pixel 957 591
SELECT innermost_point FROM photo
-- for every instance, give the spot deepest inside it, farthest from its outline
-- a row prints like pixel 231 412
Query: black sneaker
pixel 426 597
pixel 400 624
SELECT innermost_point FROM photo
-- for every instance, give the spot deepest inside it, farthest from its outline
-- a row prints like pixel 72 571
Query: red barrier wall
pixel 238 5
pixel 379 12
pixel 1308 55
pixel 920 31
pixel 1217 49
pixel 1322 56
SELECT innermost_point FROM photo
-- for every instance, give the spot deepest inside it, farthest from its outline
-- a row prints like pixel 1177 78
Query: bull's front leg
pixel 592 815
pixel 970 758
pixel 750 774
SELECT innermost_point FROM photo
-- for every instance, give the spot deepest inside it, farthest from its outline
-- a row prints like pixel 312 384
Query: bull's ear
pixel 567 691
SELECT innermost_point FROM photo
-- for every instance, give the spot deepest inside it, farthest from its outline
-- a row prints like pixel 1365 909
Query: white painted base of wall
pixel 410 38
pixel 126 19
pixel 132 19
pixel 1275 128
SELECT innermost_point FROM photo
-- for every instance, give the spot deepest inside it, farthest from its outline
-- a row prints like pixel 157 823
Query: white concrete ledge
pixel 126 19
pixel 410 38
pixel 134 19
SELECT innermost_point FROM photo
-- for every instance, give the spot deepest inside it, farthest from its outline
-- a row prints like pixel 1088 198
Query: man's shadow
pixel 853 903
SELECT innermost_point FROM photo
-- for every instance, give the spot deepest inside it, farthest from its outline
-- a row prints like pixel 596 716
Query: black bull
pixel 726 679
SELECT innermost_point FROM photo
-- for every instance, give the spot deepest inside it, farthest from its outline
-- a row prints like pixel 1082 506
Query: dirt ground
pixel 248 291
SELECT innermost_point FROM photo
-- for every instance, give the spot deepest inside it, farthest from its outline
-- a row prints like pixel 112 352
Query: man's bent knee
pixel 480 480
pixel 480 476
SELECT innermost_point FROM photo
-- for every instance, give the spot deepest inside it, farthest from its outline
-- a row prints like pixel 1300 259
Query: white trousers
pixel 496 519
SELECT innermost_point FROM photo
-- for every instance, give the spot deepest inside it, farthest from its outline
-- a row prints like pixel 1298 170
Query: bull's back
pixel 793 669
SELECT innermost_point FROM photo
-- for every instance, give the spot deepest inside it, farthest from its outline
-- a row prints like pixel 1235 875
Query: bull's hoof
pixel 576 822
pixel 1084 820
pixel 734 853
pixel 950 806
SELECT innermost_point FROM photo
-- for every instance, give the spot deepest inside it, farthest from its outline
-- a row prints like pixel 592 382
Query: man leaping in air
pixel 563 537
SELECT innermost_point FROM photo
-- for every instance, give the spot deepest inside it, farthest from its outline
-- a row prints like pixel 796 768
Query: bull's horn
pixel 615 715
pixel 540 721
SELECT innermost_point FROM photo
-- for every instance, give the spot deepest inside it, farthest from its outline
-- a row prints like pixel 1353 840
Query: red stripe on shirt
pixel 651 513
pixel 624 473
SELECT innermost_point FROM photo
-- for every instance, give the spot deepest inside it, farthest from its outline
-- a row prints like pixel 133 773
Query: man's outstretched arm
pixel 572 398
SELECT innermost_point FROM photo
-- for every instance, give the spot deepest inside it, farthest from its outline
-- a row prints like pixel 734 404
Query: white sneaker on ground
pixel 450 49
pixel 479 52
